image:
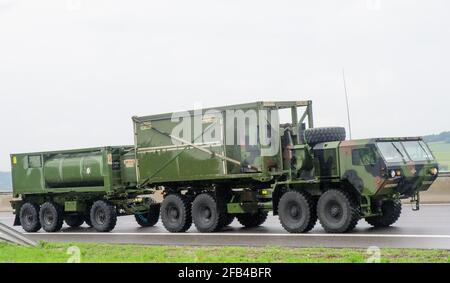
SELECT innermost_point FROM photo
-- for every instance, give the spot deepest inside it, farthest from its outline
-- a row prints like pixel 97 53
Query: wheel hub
pixel 206 213
pixel 294 211
pixel 100 216
pixel 335 211
pixel 28 217
pixel 174 213
pixel 48 218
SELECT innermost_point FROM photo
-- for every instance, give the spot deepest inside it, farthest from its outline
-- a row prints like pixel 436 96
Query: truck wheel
pixel 51 217
pixel 206 215
pixel 103 216
pixel 297 212
pixel 337 212
pixel 176 213
pixel 391 210
pixel 74 220
pixel 250 220
pixel 318 135
pixel 228 219
pixel 150 218
pixel 87 220
pixel 29 217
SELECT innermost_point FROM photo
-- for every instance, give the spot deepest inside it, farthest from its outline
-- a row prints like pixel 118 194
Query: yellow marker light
pixel 264 192
pixel 14 160
pixel 399 173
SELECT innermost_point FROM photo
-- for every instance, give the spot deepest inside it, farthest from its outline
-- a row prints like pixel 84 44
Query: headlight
pixel 434 171
pixel 393 174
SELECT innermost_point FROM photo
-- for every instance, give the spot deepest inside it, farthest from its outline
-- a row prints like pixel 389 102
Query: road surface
pixel 428 228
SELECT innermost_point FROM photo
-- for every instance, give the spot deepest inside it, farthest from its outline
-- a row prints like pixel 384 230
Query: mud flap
pixel 415 202
pixel 17 220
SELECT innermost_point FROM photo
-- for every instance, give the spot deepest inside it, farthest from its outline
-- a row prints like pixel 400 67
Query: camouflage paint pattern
pixel 362 165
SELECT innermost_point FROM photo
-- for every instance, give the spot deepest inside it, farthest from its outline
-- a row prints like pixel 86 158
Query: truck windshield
pixel 404 151
pixel 417 151
pixel 391 152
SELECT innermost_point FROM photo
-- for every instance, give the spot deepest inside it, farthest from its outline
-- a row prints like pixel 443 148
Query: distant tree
pixel 442 137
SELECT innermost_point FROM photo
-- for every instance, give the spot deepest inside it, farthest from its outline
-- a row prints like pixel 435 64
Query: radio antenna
pixel 348 107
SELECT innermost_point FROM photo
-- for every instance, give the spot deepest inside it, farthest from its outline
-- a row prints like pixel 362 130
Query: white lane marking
pixel 244 235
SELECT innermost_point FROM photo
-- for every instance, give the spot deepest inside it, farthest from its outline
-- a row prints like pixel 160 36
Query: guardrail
pixel 13 236
pixel 444 174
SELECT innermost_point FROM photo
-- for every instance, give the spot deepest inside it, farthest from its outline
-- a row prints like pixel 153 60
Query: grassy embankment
pixel 442 152
pixel 101 253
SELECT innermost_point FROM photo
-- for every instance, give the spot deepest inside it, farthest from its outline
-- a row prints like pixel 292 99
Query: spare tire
pixel 318 135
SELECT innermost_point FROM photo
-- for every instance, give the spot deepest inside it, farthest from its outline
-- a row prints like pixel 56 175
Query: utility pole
pixel 348 107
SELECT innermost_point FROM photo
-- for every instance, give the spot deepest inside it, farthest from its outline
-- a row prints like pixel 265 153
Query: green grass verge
pixel 442 152
pixel 110 253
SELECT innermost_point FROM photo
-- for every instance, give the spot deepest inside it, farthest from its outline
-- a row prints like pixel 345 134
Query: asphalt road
pixel 428 228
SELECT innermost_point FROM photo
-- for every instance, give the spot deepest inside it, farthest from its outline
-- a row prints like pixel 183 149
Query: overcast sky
pixel 73 72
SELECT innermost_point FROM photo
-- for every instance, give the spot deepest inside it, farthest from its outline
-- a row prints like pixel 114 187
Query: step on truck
pixel 213 166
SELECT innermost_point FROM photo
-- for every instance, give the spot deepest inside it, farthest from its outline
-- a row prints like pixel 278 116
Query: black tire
pixel 74 220
pixel 228 219
pixel 337 211
pixel 150 218
pixel 29 217
pixel 391 211
pixel 51 216
pixel 318 135
pixel 249 220
pixel 103 216
pixel 206 214
pixel 176 213
pixel 297 212
pixel 87 220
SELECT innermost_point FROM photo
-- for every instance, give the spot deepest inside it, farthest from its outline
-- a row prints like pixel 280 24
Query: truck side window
pixel 363 156
pixel 34 161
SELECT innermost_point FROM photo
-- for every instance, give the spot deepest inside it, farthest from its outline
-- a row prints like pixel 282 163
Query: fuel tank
pixel 77 170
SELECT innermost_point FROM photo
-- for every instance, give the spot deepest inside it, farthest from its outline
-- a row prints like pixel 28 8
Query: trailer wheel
pixel 206 215
pixel 103 216
pixel 51 217
pixel 337 212
pixel 250 220
pixel 176 213
pixel 150 218
pixel 297 212
pixel 391 210
pixel 29 217
pixel 74 220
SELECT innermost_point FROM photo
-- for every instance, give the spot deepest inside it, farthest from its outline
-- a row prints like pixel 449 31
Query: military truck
pixel 93 185
pixel 313 173
pixel 219 164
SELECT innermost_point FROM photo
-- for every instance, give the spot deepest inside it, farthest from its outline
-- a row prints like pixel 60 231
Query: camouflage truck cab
pixel 356 179
pixel 389 166
pixel 92 185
